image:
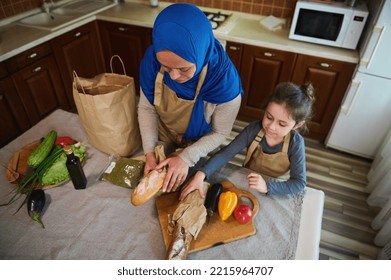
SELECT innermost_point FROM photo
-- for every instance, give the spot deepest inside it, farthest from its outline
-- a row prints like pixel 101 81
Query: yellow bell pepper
pixel 227 203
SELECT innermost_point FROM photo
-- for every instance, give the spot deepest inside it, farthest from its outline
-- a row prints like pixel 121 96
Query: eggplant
pixel 212 199
pixel 35 204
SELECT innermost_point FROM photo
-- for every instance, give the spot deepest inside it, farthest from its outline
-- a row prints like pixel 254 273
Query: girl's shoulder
pixel 296 141
pixel 297 137
pixel 254 127
pixel 250 131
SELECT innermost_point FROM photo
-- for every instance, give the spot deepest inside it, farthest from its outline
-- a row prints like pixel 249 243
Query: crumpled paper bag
pixel 191 212
pixel 185 224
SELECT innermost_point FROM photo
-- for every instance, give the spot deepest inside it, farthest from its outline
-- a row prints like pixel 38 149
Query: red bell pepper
pixel 64 140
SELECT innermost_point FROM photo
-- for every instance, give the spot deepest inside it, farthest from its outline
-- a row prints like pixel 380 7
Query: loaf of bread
pixel 185 224
pixel 148 187
pixel 151 183
pixel 180 243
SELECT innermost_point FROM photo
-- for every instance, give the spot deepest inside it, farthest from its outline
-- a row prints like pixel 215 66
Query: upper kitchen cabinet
pixel 261 69
pixel 78 50
pixel 330 79
pixel 38 82
pixel 13 117
pixel 129 42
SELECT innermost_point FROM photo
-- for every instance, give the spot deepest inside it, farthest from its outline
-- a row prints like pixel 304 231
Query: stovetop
pixel 216 18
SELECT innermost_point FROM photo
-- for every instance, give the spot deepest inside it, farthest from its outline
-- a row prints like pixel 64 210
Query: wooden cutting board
pixel 217 232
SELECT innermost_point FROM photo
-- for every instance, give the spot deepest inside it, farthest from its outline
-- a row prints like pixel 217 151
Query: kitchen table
pixel 99 222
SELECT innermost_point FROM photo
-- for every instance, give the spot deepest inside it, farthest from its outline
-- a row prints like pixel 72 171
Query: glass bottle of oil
pixel 75 169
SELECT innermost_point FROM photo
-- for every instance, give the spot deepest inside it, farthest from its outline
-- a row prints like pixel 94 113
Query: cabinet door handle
pixel 325 64
pixel 37 69
pixel 31 56
pixel 269 54
pixel 122 29
pixel 77 34
pixel 234 48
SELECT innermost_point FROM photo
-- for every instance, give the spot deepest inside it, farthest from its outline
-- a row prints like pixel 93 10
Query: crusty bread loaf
pixel 148 187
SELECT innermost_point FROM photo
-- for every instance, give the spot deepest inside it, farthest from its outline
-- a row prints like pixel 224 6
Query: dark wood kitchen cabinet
pixel 235 51
pixel 261 69
pixel 129 42
pixel 330 79
pixel 38 82
pixel 78 50
pixel 13 117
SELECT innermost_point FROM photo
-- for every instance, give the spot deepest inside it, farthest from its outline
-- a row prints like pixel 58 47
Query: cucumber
pixel 43 150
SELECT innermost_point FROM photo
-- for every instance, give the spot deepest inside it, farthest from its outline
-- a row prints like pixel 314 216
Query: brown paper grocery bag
pixel 106 105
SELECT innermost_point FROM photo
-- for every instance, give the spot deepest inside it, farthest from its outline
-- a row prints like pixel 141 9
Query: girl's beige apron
pixel 174 112
pixel 274 165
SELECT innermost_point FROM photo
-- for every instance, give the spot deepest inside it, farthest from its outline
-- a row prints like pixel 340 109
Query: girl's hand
pixel 195 183
pixel 256 181
pixel 150 162
pixel 176 173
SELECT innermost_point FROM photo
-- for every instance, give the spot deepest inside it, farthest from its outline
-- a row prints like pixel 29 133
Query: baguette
pixel 148 187
pixel 185 224
pixel 180 244
pixel 151 183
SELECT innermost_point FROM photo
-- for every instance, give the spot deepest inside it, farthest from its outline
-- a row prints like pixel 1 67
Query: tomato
pixel 243 214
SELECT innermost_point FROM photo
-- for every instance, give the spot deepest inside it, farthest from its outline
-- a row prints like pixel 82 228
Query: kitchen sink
pixel 66 14
pixel 49 21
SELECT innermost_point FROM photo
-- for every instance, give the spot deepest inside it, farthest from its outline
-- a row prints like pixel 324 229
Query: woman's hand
pixel 196 183
pixel 176 173
pixel 150 162
pixel 256 181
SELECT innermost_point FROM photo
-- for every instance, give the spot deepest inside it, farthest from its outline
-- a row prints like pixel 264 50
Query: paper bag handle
pixel 76 78
pixel 111 63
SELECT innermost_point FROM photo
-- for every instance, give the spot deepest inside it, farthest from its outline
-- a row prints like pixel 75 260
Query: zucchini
pixel 43 150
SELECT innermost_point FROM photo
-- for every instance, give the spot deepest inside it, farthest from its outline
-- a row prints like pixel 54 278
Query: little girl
pixel 274 146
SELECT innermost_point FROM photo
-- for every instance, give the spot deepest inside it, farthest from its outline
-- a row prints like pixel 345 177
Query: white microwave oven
pixel 332 23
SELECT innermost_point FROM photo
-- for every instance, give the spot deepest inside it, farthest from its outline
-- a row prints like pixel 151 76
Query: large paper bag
pixel 106 105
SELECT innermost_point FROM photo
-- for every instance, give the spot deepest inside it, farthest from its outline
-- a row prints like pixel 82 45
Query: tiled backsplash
pixel 277 8
pixel 9 8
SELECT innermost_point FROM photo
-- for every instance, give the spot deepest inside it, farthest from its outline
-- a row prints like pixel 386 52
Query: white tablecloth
pixel 101 223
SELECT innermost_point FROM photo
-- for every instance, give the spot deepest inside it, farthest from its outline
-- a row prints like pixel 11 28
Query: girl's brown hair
pixel 297 99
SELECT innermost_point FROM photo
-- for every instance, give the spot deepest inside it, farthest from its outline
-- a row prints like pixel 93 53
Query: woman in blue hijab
pixel 190 91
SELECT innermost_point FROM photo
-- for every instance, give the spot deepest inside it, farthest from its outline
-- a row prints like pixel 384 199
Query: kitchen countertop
pixel 240 28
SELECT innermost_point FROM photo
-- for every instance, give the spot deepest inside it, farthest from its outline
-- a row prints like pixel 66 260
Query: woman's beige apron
pixel 274 165
pixel 174 112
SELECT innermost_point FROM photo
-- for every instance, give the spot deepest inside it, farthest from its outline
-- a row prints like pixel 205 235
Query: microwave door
pixel 320 25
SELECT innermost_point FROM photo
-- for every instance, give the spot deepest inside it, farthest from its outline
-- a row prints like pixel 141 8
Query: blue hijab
pixel 185 30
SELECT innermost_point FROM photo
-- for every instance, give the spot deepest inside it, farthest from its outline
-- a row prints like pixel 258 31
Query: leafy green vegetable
pixel 58 172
